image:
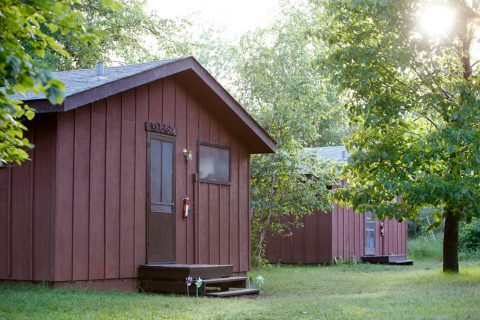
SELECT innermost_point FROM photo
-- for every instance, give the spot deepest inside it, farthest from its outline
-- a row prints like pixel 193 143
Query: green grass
pixel 354 291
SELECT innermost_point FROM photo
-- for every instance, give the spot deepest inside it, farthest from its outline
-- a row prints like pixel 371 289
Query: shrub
pixel 469 237
pixel 425 248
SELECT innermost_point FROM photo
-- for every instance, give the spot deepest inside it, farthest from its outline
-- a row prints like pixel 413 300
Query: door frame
pixel 154 135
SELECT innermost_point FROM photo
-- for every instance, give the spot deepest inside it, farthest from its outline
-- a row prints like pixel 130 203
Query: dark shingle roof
pixel 335 153
pixel 77 81
pixel 85 86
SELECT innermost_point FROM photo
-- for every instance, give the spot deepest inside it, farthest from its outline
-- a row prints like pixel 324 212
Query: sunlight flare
pixel 437 20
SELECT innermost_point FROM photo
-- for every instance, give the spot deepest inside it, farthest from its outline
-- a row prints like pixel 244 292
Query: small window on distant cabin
pixel 214 163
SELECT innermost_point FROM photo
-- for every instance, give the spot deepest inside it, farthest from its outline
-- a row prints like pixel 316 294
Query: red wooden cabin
pixel 104 191
pixel 341 235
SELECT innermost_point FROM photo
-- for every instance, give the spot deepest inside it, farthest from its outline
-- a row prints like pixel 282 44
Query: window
pixel 161 174
pixel 214 163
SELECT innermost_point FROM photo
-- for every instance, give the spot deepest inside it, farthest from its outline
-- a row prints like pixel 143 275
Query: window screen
pixel 214 164
pixel 161 176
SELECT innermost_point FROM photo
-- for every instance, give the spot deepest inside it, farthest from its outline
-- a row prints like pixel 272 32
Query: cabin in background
pixel 342 235
pixel 113 171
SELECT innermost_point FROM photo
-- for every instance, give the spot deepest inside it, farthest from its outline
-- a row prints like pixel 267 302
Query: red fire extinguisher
pixel 382 229
pixel 186 207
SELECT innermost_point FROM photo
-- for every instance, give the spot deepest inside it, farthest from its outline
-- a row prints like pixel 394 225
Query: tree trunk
pixel 450 243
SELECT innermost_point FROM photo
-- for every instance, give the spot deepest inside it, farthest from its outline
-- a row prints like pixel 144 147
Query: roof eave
pixel 85 97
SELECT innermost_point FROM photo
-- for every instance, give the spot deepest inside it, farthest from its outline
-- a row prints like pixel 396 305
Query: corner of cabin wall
pixel 5 189
pixel 26 208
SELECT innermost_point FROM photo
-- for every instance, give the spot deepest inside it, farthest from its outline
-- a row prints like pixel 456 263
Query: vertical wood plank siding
pixel 26 206
pixel 140 227
pixel 112 189
pixel 191 144
pixel 181 169
pixel 77 211
pixel 81 197
pixel 96 261
pixel 127 186
pixel 325 237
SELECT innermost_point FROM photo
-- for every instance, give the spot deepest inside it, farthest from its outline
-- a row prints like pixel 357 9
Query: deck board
pixel 218 279
pixel 178 272
pixel 233 293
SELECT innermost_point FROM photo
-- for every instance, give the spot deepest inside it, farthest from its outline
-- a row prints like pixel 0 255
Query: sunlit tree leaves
pixel 414 101
pixel 22 38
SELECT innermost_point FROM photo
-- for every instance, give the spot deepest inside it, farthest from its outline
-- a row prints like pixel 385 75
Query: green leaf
pixel 30 114
pixel 55 95
pixel 53 27
pixel 112 4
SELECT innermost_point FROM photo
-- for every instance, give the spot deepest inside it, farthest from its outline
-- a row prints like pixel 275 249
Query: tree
pixel 414 100
pixel 285 94
pixel 126 32
pixel 22 25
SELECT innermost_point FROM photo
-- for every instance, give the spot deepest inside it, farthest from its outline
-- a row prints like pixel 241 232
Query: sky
pixel 234 16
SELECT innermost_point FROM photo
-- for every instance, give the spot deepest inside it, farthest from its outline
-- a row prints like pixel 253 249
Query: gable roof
pixel 85 86
pixel 334 153
pixel 77 81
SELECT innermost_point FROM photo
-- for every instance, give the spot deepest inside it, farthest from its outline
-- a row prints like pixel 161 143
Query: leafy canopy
pixel 414 100
pixel 126 31
pixel 22 37
pixel 286 95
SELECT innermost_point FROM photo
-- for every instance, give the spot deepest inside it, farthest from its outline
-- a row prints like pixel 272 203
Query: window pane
pixel 155 170
pixel 222 165
pixel 214 164
pixel 161 176
pixel 167 172
pixel 207 163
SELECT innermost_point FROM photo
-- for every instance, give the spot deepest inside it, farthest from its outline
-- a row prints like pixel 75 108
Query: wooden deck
pixel 387 259
pixel 218 280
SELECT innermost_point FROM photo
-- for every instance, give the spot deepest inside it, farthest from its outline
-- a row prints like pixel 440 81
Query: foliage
pixel 279 87
pixel 23 26
pixel 360 291
pixel 282 192
pixel 414 102
pixel 127 34
pixel 425 248
pixel 218 55
pixel 424 223
pixel 259 281
pixel 469 237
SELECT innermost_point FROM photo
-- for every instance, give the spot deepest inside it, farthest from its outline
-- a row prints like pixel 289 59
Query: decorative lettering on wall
pixel 161 128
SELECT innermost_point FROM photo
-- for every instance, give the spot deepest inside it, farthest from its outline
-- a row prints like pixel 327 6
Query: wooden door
pixel 370 234
pixel 161 199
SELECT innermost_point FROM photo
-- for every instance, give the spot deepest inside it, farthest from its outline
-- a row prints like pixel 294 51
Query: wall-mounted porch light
pixel 187 154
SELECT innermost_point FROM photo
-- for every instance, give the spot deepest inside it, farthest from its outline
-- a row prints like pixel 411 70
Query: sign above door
pixel 161 128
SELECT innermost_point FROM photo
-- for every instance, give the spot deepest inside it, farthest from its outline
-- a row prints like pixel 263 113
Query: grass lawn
pixel 354 291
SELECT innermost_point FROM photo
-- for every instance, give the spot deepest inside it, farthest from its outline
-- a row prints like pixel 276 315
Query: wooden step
pixel 166 286
pixel 170 278
pixel 395 258
pixel 224 284
pixel 232 293
pixel 214 281
pixel 384 259
pixel 402 263
pixel 178 272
